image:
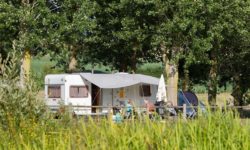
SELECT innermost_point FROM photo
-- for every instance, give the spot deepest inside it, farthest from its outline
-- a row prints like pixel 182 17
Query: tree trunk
pixel 26 56
pixel 171 71
pixel 123 67
pixel 212 86
pixel 73 60
pixel 172 81
pixel 133 62
pixel 185 83
pixel 25 67
pixel 237 91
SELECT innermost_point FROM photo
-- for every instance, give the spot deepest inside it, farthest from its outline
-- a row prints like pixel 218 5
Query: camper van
pixel 84 90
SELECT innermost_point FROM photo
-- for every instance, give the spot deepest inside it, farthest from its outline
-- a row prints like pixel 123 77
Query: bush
pixel 17 103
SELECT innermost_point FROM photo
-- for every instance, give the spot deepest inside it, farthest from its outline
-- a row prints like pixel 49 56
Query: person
pixel 116 109
pixel 150 108
pixel 129 109
pixel 117 116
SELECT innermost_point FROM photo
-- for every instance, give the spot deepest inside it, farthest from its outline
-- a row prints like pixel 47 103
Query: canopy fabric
pixel 118 80
pixel 161 93
pixel 187 97
pixel 190 99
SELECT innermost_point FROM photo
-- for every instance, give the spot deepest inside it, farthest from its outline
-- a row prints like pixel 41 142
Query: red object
pixel 150 106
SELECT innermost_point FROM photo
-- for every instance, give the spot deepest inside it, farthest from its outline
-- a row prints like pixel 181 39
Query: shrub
pixel 17 103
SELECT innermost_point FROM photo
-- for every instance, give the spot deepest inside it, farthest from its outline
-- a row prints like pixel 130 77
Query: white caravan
pixel 86 89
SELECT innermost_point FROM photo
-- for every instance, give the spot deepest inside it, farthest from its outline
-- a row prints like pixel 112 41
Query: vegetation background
pixel 202 44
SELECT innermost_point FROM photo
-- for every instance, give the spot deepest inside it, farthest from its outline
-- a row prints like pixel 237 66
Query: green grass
pixel 40 67
pixel 40 64
pixel 152 69
pixel 216 131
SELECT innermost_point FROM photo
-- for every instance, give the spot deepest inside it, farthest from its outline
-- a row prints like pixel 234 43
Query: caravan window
pixel 54 91
pixel 145 90
pixel 78 91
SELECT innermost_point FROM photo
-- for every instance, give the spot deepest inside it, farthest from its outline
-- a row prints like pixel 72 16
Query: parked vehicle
pixel 90 90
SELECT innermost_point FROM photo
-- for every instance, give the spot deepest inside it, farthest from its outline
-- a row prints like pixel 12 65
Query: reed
pixel 217 130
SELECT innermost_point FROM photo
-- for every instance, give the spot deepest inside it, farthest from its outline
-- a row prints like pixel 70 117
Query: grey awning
pixel 118 80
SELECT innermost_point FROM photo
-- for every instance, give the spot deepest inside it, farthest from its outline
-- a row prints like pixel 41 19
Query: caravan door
pixel 96 98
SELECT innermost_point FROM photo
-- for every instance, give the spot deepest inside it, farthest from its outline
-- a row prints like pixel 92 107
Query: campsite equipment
pixel 161 92
pixel 190 99
pixel 89 90
pixel 163 109
pixel 117 118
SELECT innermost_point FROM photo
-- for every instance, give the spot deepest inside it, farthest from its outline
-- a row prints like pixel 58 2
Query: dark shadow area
pixel 244 112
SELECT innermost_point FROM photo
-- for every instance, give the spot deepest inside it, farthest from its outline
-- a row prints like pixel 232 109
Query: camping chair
pixel 165 109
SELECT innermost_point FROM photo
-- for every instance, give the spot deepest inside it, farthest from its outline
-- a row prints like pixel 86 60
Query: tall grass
pixel 216 131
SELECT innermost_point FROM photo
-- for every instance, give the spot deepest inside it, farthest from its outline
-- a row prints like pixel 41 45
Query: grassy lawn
pixel 221 98
pixel 40 64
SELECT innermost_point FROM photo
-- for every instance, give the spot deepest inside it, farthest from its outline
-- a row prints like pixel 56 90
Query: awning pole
pixel 112 97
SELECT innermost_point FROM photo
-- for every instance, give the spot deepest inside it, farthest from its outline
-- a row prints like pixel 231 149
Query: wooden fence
pixel 244 111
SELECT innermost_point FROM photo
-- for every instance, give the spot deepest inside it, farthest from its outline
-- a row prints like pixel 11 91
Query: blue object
pixel 129 107
pixel 202 107
pixel 129 110
pixel 118 118
pixel 190 99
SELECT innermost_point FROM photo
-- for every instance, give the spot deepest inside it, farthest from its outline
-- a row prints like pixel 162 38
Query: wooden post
pixel 110 112
pixel 184 111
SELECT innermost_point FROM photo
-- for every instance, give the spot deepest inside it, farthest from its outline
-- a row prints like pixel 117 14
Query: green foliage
pixel 73 22
pixel 40 67
pixel 216 131
pixel 122 34
pixel 8 22
pixel 17 103
pixel 152 69
pixel 25 27
pixel 211 37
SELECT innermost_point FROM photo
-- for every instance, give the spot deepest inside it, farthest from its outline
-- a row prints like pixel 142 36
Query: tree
pixel 8 22
pixel 122 35
pixel 24 29
pixel 234 62
pixel 128 31
pixel 73 22
pixel 223 21
pixel 176 35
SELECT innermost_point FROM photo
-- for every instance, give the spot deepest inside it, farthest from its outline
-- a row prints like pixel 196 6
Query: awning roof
pixel 118 80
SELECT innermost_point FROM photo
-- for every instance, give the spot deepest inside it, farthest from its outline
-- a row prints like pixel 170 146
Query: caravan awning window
pixel 54 91
pixel 78 91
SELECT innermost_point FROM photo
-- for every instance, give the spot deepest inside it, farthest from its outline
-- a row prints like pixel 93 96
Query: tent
pixel 186 97
pixel 190 99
